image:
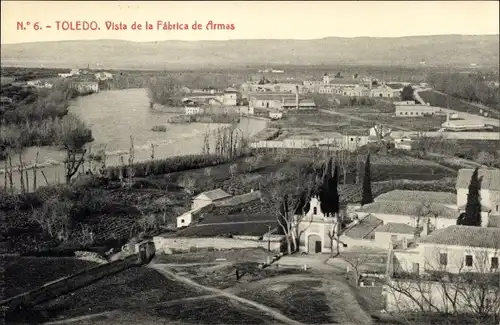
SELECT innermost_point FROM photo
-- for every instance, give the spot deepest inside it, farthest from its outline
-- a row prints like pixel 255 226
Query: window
pixel 315 211
pixel 182 220
pixel 411 113
pixel 494 263
pixel 416 268
pixel 406 113
pixel 352 139
pixel 394 237
pixel 443 259
pixel 468 260
pixel 497 208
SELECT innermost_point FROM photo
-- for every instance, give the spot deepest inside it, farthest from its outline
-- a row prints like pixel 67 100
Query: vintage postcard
pixel 250 162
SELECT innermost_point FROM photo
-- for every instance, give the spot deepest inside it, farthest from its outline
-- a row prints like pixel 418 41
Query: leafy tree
pixel 472 215
pixel 166 91
pixel 407 93
pixel 367 184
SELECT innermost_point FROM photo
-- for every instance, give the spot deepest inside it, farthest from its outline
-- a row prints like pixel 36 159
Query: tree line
pixel 470 87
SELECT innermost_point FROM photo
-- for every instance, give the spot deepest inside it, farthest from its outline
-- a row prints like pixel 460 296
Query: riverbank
pixel 113 117
pixel 205 118
pixel 166 109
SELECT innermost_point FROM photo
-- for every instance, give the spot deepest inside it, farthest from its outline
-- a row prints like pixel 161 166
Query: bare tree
pixel 54 218
pixel 468 285
pixel 74 137
pixel 131 170
pixel 188 183
pixel 288 199
pixel 233 169
pixel 357 261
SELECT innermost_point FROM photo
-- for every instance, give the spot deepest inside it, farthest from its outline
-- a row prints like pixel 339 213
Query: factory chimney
pixel 297 97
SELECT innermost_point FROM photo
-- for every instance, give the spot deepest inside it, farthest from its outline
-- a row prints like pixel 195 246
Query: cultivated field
pixel 26 273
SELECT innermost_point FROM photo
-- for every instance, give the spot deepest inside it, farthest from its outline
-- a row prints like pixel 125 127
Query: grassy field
pixel 309 300
pixel 440 100
pixel 25 273
pixel 318 124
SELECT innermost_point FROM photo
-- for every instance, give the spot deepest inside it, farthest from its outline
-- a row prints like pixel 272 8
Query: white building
pixel 192 110
pixel 275 115
pixel 411 109
pixel 103 76
pixel 454 251
pixel 316 231
pixel 209 197
pixel 413 207
pixel 230 96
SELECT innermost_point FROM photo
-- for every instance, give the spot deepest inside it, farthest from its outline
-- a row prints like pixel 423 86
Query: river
pixel 116 115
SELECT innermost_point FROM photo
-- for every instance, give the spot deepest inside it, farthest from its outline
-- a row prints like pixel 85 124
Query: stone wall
pixel 168 245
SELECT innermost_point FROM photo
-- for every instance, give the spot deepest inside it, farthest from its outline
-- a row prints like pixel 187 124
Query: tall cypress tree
pixel 472 215
pixel 325 191
pixel 367 184
pixel 334 192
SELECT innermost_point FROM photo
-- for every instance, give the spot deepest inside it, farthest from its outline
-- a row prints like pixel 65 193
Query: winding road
pixel 163 269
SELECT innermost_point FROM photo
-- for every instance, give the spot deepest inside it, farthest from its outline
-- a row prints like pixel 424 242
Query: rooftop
pixel 396 228
pixel 216 194
pixel 490 178
pixel 418 196
pixel 465 236
pixel 364 228
pixel 407 208
pixel 240 199
pixel 235 225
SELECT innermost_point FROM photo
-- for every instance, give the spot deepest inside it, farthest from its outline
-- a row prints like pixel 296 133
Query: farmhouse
pixel 237 222
pixel 412 207
pixel 455 250
pixel 209 197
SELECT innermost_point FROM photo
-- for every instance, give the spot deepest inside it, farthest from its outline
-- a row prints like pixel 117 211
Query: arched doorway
pixel 314 244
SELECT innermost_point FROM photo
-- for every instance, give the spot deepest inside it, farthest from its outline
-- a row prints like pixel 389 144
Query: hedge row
pixel 168 165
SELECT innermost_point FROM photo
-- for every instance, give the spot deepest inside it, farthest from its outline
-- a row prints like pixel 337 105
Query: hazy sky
pixel 265 19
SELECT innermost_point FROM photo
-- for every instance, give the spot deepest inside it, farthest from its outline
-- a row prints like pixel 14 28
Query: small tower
pixel 326 79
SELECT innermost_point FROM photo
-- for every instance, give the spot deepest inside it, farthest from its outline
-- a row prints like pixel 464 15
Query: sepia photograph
pixel 250 162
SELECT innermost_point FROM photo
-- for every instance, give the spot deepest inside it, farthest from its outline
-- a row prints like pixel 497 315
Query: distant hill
pixel 442 51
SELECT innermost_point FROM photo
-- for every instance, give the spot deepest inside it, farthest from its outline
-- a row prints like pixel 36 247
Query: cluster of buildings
pixel 393 217
pixel 416 229
pixel 83 81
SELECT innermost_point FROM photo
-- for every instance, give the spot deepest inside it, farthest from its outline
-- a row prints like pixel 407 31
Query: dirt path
pixel 105 314
pixel 183 300
pixel 272 312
